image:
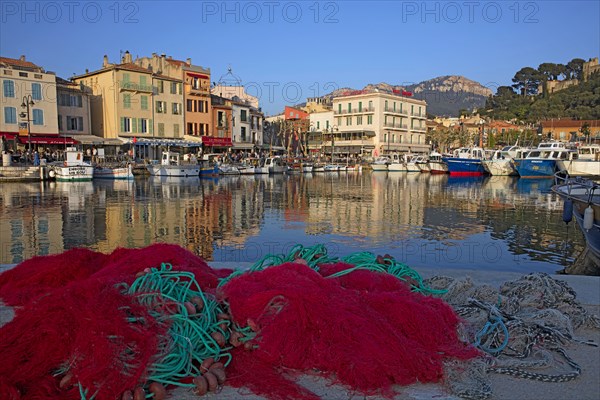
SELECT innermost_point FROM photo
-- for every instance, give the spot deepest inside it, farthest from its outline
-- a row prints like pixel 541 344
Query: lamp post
pixel 27 101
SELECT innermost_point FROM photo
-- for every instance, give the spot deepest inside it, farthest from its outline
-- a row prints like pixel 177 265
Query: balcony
pixel 396 126
pixel 392 111
pixel 136 87
pixel 419 115
pixel 199 90
pixel 418 129
pixel 354 111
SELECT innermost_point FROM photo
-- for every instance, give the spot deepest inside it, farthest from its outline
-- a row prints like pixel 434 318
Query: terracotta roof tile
pixel 566 123
pixel 18 63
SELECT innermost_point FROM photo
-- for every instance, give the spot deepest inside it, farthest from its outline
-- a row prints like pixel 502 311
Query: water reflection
pixel 421 219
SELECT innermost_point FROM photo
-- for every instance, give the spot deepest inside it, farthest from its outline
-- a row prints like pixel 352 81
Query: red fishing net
pixel 366 330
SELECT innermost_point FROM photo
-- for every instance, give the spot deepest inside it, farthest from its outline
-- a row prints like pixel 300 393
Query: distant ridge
pixel 445 95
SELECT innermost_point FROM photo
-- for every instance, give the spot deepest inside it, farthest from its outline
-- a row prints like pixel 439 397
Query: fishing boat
pixel 581 199
pixel 275 165
pixel 73 168
pixel 422 163
pixel 541 162
pixel 586 163
pixel 118 171
pixel 172 165
pixel 411 162
pixel 436 164
pixel 396 163
pixel 466 161
pixel 380 163
pixel 501 161
pixel 228 169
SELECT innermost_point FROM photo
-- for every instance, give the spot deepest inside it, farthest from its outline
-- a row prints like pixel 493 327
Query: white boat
pixel 113 171
pixel 171 165
pixel 331 168
pixel 380 164
pixel 501 161
pixel 275 165
pixel 318 168
pixel 354 168
pixel 422 163
pixel 396 163
pixel 228 169
pixel 436 164
pixel 73 168
pixel 411 162
pixel 586 163
pixel 582 199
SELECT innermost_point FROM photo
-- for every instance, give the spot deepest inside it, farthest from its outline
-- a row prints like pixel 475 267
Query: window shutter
pixel 122 124
pixel 151 126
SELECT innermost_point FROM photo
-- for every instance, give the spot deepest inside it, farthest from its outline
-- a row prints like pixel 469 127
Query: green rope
pixel 317 254
pixel 189 339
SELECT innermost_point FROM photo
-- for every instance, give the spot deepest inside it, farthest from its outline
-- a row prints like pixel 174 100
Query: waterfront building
pixel 28 101
pixel 320 123
pixel 385 122
pixel 189 85
pixel 317 105
pixel 570 129
pixel 73 108
pixel 220 137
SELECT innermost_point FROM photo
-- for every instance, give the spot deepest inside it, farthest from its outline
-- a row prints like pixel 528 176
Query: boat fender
pixel 567 211
pixel 588 218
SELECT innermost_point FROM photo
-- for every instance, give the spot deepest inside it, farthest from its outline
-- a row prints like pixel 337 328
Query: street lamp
pixel 27 101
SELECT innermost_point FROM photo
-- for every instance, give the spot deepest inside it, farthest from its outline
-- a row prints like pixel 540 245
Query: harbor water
pixel 423 220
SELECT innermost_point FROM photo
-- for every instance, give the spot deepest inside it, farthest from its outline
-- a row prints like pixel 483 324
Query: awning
pixel 201 76
pixel 243 146
pixel 47 140
pixel 163 142
pixel 9 135
pixel 86 139
pixel 216 141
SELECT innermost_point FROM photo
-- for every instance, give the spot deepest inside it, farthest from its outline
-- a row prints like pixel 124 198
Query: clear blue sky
pixel 286 51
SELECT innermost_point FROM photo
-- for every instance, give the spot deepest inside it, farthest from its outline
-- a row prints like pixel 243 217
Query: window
pixel 318 125
pixel 327 124
pixel 359 120
pixel 75 100
pixel 220 119
pixel 23 74
pixel 174 86
pixel 10 115
pixel 143 125
pixel 125 124
pixel 7 72
pixel 195 83
pixel 176 129
pixel 176 107
pixel 190 128
pixel 75 123
pixel 349 121
pixel 394 105
pixel 161 107
pixel 386 106
pixel 243 115
pixel 125 77
pixel 190 106
pixel 359 106
pixel 161 86
pixel 126 100
pixel 9 88
pixel 339 108
pixel 370 105
pixel 385 136
pixel 243 138
pixel 142 81
pixel 60 125
pixel 144 102
pixel 393 138
pixel 349 107
pixel 38 116
pixel 369 120
pixel 36 91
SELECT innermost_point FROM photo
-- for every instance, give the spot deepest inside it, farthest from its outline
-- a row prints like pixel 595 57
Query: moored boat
pixel 73 168
pixel 380 164
pixel 466 161
pixel 582 200
pixel 586 163
pixel 396 163
pixel 541 162
pixel 436 164
pixel 104 171
pixel 171 165
pixel 501 161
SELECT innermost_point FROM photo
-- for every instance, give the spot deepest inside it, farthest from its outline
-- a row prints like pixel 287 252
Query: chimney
pixel 127 57
pixel 189 61
pixel 22 58
pixel 105 61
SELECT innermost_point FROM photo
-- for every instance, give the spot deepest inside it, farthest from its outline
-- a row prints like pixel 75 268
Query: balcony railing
pixel 420 115
pixel 396 126
pixel 354 110
pixel 392 111
pixel 136 87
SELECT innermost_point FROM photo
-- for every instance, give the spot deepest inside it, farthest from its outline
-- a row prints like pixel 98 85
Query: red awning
pixel 9 135
pixel 47 140
pixel 216 141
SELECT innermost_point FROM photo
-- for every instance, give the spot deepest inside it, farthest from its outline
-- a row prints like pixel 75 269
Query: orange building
pixel 220 135
pixel 566 129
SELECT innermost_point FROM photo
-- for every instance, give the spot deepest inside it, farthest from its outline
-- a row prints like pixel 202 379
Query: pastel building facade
pixel 379 121
pixel 25 83
pixel 73 107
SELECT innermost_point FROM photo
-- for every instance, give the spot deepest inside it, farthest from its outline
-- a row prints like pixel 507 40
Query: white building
pixel 378 121
pixel 247 126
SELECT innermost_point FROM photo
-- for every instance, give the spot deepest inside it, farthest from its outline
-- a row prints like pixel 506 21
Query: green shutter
pixel 150 126
pixel 134 125
pixel 122 124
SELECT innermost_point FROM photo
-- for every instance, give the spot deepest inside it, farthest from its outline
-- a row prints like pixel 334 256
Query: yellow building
pixel 130 101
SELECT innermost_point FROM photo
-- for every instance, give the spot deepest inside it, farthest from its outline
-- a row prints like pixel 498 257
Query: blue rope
pixel 494 324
